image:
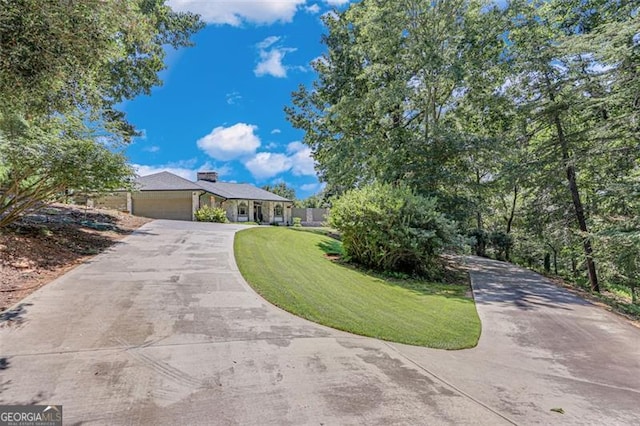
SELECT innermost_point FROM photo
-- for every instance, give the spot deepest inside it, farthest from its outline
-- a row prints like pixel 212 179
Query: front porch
pixel 258 211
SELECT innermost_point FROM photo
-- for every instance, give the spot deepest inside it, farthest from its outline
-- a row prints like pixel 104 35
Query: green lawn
pixel 290 270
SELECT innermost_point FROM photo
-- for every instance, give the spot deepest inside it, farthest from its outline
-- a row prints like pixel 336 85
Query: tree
pixel 60 56
pixel 41 161
pixel 315 201
pixel 387 89
pixel 523 121
pixel 281 189
pixel 64 68
pixel 566 98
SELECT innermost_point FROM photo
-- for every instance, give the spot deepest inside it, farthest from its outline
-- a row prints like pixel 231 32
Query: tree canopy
pixel 523 120
pixel 65 66
pixel 281 189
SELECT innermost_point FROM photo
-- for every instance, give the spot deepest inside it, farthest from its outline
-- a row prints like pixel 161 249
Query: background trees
pixel 281 189
pixel 523 120
pixel 64 68
pixel 379 109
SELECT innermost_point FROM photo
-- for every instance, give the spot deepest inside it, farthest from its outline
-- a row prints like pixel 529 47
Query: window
pixel 278 210
pixel 242 209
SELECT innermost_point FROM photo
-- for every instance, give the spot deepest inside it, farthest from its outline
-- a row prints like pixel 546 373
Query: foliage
pixel 479 241
pixel 522 119
pixel 393 73
pixel 39 163
pixel 297 222
pixel 315 201
pixel 619 254
pixel 390 228
pixel 58 57
pixel 281 189
pixel 211 214
pixel 415 312
pixel 64 67
pixel 501 242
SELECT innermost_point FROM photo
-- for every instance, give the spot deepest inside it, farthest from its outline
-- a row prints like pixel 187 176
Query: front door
pixel 257 212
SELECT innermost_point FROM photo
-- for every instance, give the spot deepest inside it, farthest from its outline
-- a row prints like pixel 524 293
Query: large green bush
pixel 211 214
pixel 390 228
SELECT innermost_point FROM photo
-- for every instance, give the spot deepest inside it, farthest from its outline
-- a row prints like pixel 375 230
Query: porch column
pixel 129 203
pixel 195 204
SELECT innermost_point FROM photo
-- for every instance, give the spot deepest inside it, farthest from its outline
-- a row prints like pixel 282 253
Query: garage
pixel 175 205
pixel 165 196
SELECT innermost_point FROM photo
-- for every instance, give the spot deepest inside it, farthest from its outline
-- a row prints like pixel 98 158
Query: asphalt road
pixel 162 329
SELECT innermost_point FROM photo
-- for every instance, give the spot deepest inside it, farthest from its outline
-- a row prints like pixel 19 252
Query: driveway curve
pixel 162 329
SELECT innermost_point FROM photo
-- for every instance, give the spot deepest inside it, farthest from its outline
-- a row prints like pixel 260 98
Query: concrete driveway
pixel 162 329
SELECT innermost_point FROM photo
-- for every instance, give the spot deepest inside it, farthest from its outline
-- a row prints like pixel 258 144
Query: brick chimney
pixel 208 176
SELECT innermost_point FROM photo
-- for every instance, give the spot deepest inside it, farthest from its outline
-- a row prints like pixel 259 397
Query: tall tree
pixel 64 68
pixel 393 74
pixel 523 120
pixel 564 96
pixel 59 56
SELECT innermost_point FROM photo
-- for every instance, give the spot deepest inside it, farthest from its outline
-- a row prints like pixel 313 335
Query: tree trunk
pixel 554 251
pixel 579 210
pixel 547 262
pixel 513 209
pixel 478 212
pixel 507 251
pixel 575 194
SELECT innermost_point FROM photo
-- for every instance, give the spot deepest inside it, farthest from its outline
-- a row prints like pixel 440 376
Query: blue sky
pixel 221 105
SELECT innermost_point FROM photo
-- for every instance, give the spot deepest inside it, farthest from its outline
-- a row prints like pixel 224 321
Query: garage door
pixel 174 205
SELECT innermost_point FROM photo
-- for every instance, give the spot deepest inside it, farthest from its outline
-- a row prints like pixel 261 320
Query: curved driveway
pixel 162 329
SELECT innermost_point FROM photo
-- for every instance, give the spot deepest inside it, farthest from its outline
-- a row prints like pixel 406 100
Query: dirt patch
pixel 42 246
pixel 333 257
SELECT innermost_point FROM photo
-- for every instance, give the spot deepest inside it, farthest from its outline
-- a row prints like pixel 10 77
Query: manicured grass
pixel 290 269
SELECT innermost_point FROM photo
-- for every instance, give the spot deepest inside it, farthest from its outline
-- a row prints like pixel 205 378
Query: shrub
pixel 297 222
pixel 479 241
pixel 501 243
pixel 390 228
pixel 211 214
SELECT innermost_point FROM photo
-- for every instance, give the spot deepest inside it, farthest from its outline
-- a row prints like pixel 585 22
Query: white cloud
pixel 268 164
pixel 310 187
pixel 228 143
pixel 267 42
pixel 237 12
pixel 152 149
pixel 313 9
pixel 233 98
pixel 297 159
pixel 336 2
pixel 271 56
pixel 186 169
pixel 301 159
pixel 272 145
pixel 331 14
pixel 271 64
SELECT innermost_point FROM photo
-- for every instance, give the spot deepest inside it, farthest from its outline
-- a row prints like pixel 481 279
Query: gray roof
pixel 165 181
pixel 239 191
